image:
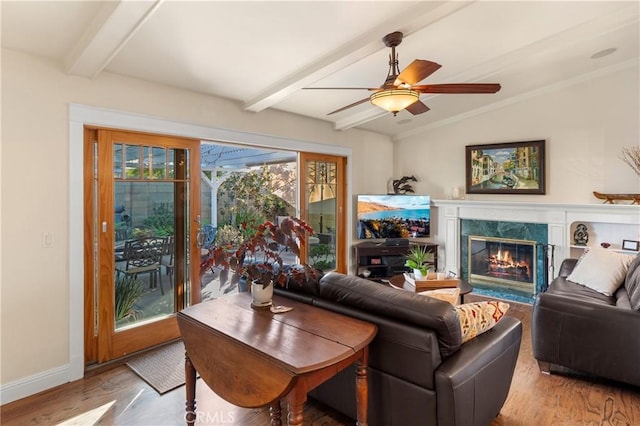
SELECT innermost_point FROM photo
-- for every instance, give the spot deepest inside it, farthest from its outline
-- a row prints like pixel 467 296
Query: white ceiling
pixel 262 53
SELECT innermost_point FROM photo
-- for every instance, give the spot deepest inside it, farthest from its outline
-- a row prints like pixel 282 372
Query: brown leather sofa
pixel 576 328
pixel 419 371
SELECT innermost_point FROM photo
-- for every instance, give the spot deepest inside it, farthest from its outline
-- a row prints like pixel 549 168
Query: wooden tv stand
pixel 385 261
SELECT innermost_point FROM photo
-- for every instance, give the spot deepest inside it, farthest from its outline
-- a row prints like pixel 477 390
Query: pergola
pixel 222 160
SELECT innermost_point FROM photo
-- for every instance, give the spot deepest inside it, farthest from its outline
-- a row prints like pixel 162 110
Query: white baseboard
pixel 27 386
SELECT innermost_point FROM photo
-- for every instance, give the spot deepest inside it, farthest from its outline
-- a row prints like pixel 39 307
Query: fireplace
pixel 502 263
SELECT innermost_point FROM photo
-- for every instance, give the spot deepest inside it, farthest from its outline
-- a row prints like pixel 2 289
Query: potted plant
pixel 259 259
pixel 418 258
pixel 128 291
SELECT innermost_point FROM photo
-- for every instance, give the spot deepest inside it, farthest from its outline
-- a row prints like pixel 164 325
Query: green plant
pixel 161 221
pixel 228 236
pixel 141 232
pixel 128 290
pixel 259 257
pixel 418 257
pixel 321 257
pixel 266 191
pixel 249 218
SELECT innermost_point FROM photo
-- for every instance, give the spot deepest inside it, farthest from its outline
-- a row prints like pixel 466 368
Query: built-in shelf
pixel 613 247
pixel 613 233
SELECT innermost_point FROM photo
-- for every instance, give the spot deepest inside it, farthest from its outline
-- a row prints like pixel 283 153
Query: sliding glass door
pixel 144 197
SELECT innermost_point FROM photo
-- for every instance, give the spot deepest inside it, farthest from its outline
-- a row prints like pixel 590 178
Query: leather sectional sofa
pixel 419 371
pixel 577 328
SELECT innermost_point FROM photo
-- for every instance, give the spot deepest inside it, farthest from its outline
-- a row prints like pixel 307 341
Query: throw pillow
pixel 601 270
pixel 478 317
pixel 447 294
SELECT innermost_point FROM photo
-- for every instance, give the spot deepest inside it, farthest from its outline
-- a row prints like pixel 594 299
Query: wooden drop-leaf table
pixel 253 358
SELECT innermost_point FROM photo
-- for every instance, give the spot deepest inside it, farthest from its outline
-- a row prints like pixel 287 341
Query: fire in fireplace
pixel 502 262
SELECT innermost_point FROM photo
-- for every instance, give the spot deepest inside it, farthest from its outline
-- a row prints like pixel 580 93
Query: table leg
pixel 190 381
pixel 362 388
pixel 296 399
pixel 275 412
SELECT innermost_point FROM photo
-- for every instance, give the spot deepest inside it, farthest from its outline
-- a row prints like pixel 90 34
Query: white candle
pixel 456 192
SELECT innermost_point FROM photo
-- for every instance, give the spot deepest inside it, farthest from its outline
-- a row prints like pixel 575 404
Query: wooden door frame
pixel 101 346
pixel 342 239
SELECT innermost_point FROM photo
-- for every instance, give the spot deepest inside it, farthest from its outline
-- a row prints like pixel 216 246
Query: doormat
pixel 162 368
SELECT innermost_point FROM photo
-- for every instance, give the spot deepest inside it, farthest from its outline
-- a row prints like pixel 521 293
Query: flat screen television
pixel 393 216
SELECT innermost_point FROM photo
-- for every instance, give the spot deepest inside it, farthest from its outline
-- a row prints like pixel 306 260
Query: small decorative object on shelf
pixel 630 245
pixel 400 186
pixel 605 245
pixel 581 236
pixel 455 193
pixel 612 198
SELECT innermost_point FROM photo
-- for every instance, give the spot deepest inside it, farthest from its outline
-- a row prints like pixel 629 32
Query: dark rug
pixel 162 368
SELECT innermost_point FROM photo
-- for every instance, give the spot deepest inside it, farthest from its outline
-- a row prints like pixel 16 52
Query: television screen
pixel 393 216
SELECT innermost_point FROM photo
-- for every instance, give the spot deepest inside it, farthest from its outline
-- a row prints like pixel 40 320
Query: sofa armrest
pixel 567 267
pixel 587 336
pixel 472 385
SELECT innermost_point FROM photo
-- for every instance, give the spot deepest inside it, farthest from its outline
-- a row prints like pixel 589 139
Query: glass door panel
pixel 145 252
pixel 323 208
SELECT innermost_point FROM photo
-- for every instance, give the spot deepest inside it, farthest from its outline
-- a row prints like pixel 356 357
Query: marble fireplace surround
pixel 446 217
pixel 513 231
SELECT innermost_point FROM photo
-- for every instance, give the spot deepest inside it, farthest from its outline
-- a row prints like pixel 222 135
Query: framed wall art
pixel 630 245
pixel 506 168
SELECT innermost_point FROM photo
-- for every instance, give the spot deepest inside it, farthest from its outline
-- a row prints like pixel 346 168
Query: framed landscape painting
pixel 505 168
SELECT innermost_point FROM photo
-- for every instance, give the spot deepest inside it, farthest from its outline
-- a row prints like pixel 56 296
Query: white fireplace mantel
pixel 446 216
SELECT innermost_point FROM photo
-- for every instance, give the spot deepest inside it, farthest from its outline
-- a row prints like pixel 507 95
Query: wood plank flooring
pixel 115 395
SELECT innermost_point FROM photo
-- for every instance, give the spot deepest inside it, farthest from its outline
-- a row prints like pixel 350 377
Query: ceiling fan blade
pixel 417 71
pixel 361 101
pixel 417 108
pixel 458 88
pixel 340 88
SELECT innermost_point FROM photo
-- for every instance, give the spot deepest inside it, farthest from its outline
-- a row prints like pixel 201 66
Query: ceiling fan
pixel 398 91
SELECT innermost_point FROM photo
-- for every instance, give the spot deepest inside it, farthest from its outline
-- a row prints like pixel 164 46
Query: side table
pixel 399 281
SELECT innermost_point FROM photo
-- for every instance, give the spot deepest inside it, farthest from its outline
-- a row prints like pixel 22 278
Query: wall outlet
pixel 47 240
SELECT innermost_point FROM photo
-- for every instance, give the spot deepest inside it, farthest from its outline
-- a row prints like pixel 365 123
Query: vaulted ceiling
pixel 264 53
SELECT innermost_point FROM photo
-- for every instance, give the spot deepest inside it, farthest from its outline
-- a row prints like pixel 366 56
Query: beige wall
pixel 34 175
pixel 585 125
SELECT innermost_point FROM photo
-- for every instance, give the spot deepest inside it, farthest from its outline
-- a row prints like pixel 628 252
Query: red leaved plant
pixel 259 258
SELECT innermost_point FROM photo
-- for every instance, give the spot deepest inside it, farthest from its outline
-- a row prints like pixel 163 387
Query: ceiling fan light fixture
pixel 394 100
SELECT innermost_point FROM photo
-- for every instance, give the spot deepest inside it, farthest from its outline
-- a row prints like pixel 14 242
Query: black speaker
pixel 396 242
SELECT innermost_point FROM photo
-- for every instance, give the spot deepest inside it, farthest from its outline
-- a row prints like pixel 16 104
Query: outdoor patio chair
pixel 168 255
pixel 144 256
pixel 123 234
pixel 205 241
pixel 209 234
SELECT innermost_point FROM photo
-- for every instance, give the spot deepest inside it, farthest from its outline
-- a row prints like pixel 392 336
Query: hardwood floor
pixel 540 399
pixel 115 395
